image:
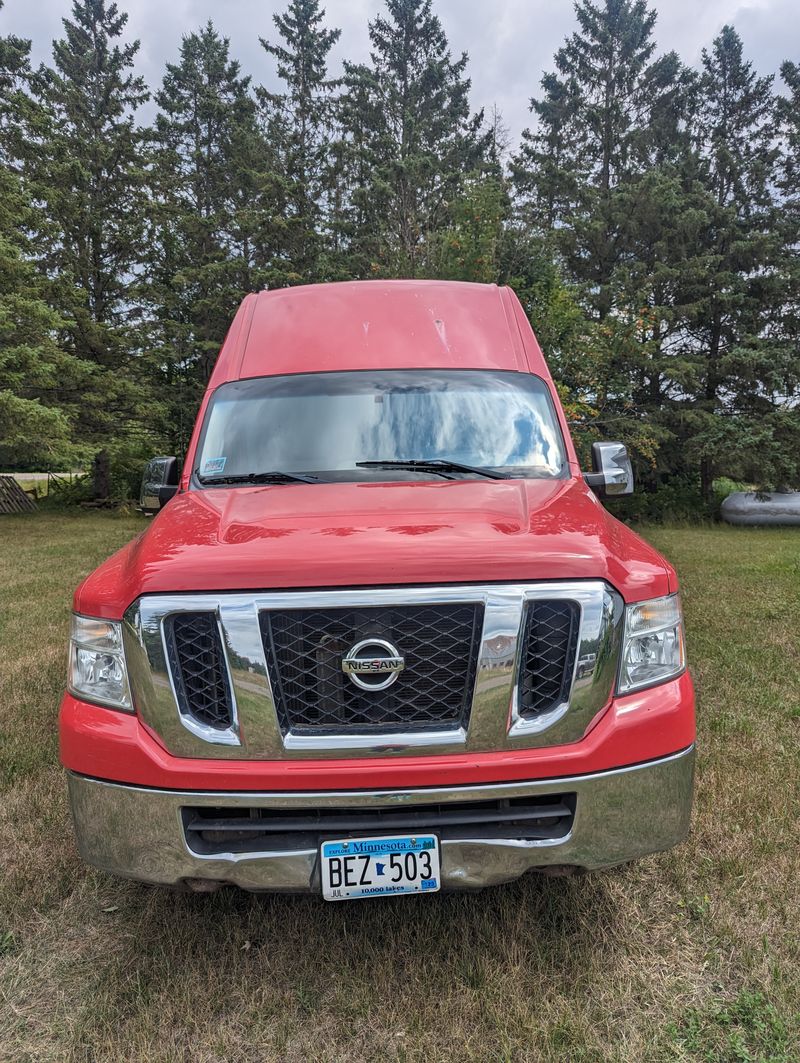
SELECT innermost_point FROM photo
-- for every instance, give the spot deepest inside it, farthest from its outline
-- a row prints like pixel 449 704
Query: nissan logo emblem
pixel 373 664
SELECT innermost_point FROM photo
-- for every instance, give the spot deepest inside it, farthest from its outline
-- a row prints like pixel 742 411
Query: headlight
pixel 653 649
pixel 97 669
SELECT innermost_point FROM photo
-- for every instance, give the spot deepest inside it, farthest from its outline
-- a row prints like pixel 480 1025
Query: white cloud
pixel 510 42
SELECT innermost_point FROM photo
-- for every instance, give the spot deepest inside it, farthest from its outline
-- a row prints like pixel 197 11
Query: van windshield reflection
pixel 382 425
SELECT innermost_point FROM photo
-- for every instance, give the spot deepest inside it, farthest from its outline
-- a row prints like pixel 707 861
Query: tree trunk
pixel 707 480
pixel 102 476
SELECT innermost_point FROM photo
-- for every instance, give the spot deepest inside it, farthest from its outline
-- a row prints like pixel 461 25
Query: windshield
pixel 326 424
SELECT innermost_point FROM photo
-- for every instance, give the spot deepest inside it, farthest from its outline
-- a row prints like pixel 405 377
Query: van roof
pixel 393 324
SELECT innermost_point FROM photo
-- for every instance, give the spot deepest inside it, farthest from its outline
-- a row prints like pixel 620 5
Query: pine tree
pixel 85 165
pixel 600 123
pixel 786 412
pixel 90 174
pixel 14 72
pixel 37 378
pixel 606 177
pixel 409 139
pixel 789 115
pixel 35 374
pixel 469 248
pixel 546 171
pixel 213 222
pixel 737 299
pixel 300 123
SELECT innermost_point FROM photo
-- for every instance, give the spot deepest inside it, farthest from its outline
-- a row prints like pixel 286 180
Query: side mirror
pixel 612 473
pixel 159 484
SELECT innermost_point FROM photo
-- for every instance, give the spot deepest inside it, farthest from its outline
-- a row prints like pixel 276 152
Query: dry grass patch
pixel 691 955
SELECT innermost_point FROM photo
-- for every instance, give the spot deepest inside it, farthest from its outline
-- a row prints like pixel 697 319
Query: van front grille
pixel 360 672
pixel 305 649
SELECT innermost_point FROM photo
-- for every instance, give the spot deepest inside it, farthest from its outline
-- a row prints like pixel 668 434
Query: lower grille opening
pixel 211 831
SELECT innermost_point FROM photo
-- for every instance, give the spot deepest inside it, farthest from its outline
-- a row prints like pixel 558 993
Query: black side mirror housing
pixel 612 473
pixel 159 483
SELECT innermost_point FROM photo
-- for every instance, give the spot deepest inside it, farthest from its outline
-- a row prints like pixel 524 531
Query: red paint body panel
pixel 114 746
pixel 365 534
pixel 373 325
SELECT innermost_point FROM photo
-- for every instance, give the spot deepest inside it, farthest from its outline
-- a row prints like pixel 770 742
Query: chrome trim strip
pixel 372 744
pixel 620 815
pixel 599 644
pixel 495 721
pixel 528 843
pixel 418 795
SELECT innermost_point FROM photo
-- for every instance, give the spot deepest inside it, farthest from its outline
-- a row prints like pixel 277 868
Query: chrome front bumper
pixel 620 815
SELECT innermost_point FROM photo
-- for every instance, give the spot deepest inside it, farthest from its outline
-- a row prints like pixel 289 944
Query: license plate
pixel 379 867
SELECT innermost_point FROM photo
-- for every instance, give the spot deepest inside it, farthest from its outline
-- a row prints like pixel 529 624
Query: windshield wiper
pixel 259 478
pixel 434 465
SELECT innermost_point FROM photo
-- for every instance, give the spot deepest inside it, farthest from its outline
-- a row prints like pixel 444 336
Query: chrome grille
pixel 548 655
pixel 226 671
pixel 197 664
pixel 304 651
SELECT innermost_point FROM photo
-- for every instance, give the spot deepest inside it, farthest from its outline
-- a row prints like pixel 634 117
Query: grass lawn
pixel 690 955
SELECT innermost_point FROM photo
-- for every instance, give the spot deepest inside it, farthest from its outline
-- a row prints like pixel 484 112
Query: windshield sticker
pixel 213 465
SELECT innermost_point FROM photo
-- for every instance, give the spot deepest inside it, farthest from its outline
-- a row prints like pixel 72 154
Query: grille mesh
pixel 198 668
pixel 304 650
pixel 550 640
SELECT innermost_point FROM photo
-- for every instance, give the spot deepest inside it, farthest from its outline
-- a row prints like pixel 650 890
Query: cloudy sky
pixel 510 42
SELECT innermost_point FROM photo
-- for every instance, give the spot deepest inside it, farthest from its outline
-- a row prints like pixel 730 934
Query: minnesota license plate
pixel 379 867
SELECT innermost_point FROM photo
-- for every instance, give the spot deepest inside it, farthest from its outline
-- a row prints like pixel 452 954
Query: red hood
pixel 376 534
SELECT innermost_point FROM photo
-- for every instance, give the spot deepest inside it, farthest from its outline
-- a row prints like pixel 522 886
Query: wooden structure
pixel 13 499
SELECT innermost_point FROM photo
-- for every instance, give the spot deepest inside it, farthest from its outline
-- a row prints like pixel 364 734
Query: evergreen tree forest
pixel 648 219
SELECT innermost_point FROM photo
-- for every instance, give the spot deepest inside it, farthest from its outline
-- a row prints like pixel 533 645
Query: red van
pixel 382 636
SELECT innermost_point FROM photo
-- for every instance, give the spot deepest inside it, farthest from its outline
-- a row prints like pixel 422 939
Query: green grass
pixel 689 955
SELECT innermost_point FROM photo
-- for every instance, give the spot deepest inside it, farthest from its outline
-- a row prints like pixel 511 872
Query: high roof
pixel 401 324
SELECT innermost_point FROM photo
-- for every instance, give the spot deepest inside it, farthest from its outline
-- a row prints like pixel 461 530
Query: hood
pixel 376 534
